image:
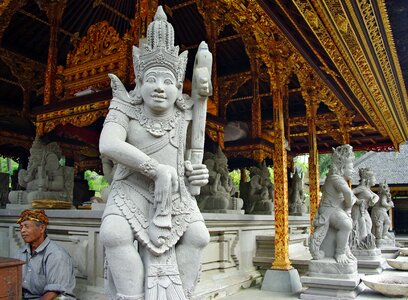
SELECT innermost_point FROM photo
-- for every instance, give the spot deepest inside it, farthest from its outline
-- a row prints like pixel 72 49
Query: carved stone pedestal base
pixel 224 211
pixel 370 261
pixel 285 281
pixel 330 280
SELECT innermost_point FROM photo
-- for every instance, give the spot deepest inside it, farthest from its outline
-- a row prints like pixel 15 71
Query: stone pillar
pixel 314 178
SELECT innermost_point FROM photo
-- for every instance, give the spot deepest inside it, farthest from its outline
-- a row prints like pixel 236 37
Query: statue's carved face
pixel 348 170
pixel 371 180
pixel 159 90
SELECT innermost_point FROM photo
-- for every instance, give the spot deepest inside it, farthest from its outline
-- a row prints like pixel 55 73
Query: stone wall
pixel 227 260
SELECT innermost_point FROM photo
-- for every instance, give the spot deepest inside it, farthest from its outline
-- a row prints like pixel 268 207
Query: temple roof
pixel 391 167
pixel 350 57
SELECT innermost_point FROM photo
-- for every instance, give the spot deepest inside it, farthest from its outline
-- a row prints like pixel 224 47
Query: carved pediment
pixel 101 40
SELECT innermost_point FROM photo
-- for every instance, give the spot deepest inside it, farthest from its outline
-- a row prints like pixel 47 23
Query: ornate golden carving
pixel 257 152
pixel 100 41
pixel 80 116
pixel 351 58
pixel 281 186
pixel 216 132
pixel 100 52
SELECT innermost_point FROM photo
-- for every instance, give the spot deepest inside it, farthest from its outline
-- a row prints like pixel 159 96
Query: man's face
pixel 31 232
pixel 159 90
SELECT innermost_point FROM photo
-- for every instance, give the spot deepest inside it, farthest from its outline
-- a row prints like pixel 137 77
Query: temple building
pixel 290 77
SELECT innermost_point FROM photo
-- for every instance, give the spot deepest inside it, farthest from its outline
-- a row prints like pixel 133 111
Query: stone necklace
pixel 156 127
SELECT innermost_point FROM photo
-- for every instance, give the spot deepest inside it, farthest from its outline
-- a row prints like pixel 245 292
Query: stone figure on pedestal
pixel 219 195
pixel 332 222
pixel 258 192
pixel 381 219
pixel 297 205
pixel 152 229
pixel 333 265
pixel 362 241
pixel 361 236
pixel 45 179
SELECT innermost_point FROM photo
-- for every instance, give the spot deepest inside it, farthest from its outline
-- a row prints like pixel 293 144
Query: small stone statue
pixel 258 192
pixel 361 236
pixel 45 178
pixel 332 222
pixel 220 193
pixel 381 219
pixel 297 205
pixel 152 229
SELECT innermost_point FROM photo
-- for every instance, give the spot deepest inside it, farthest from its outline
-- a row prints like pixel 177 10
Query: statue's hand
pixel 197 174
pixel 166 182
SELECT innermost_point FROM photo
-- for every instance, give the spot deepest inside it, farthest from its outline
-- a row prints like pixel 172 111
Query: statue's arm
pixel 349 198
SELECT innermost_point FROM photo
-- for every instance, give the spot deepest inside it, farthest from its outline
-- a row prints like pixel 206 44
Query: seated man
pixel 48 271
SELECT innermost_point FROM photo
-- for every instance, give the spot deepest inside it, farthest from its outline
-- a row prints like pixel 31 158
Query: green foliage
pixel 236 177
pixel 7 165
pixel 96 182
pixel 324 164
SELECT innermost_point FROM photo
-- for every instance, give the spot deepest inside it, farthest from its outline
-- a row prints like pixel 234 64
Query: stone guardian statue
pixel 152 229
pixel 333 222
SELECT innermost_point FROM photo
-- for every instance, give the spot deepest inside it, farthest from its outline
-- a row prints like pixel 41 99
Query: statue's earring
pixel 181 103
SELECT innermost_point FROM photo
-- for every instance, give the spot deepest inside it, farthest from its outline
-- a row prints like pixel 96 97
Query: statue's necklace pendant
pixel 157 127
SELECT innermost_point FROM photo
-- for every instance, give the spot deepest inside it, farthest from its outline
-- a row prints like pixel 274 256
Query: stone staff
pixel 201 72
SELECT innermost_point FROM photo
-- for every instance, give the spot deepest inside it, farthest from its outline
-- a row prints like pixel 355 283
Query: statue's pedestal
pixel 224 211
pixel 284 281
pixel 330 280
pixel 370 261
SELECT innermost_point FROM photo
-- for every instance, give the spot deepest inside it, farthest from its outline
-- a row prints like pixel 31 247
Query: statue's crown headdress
pixel 342 154
pixel 159 49
pixel 365 173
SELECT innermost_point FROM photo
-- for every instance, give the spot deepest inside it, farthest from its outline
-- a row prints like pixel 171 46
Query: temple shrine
pixel 289 78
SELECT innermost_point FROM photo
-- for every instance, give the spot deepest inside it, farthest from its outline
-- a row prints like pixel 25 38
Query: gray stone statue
pixel 44 178
pixel 297 205
pixel 258 192
pixel 381 219
pixel 361 236
pixel 219 195
pixel 333 271
pixel 152 229
pixel 332 223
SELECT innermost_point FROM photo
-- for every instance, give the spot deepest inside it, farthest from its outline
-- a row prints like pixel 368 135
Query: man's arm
pixel 49 296
pixel 59 273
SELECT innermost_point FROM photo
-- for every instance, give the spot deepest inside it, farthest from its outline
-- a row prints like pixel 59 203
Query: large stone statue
pixel 333 271
pixel 332 222
pixel 297 205
pixel 258 192
pixel 381 219
pixel 219 195
pixel 45 179
pixel 152 229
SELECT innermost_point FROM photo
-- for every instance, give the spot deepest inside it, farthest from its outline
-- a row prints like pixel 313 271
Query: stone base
pixel 224 211
pixel 330 280
pixel 331 289
pixel 98 206
pixel 286 281
pixel 370 261
pixel 18 206
pixel 329 268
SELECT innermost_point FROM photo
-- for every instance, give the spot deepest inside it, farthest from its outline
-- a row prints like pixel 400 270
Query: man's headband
pixel 36 215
